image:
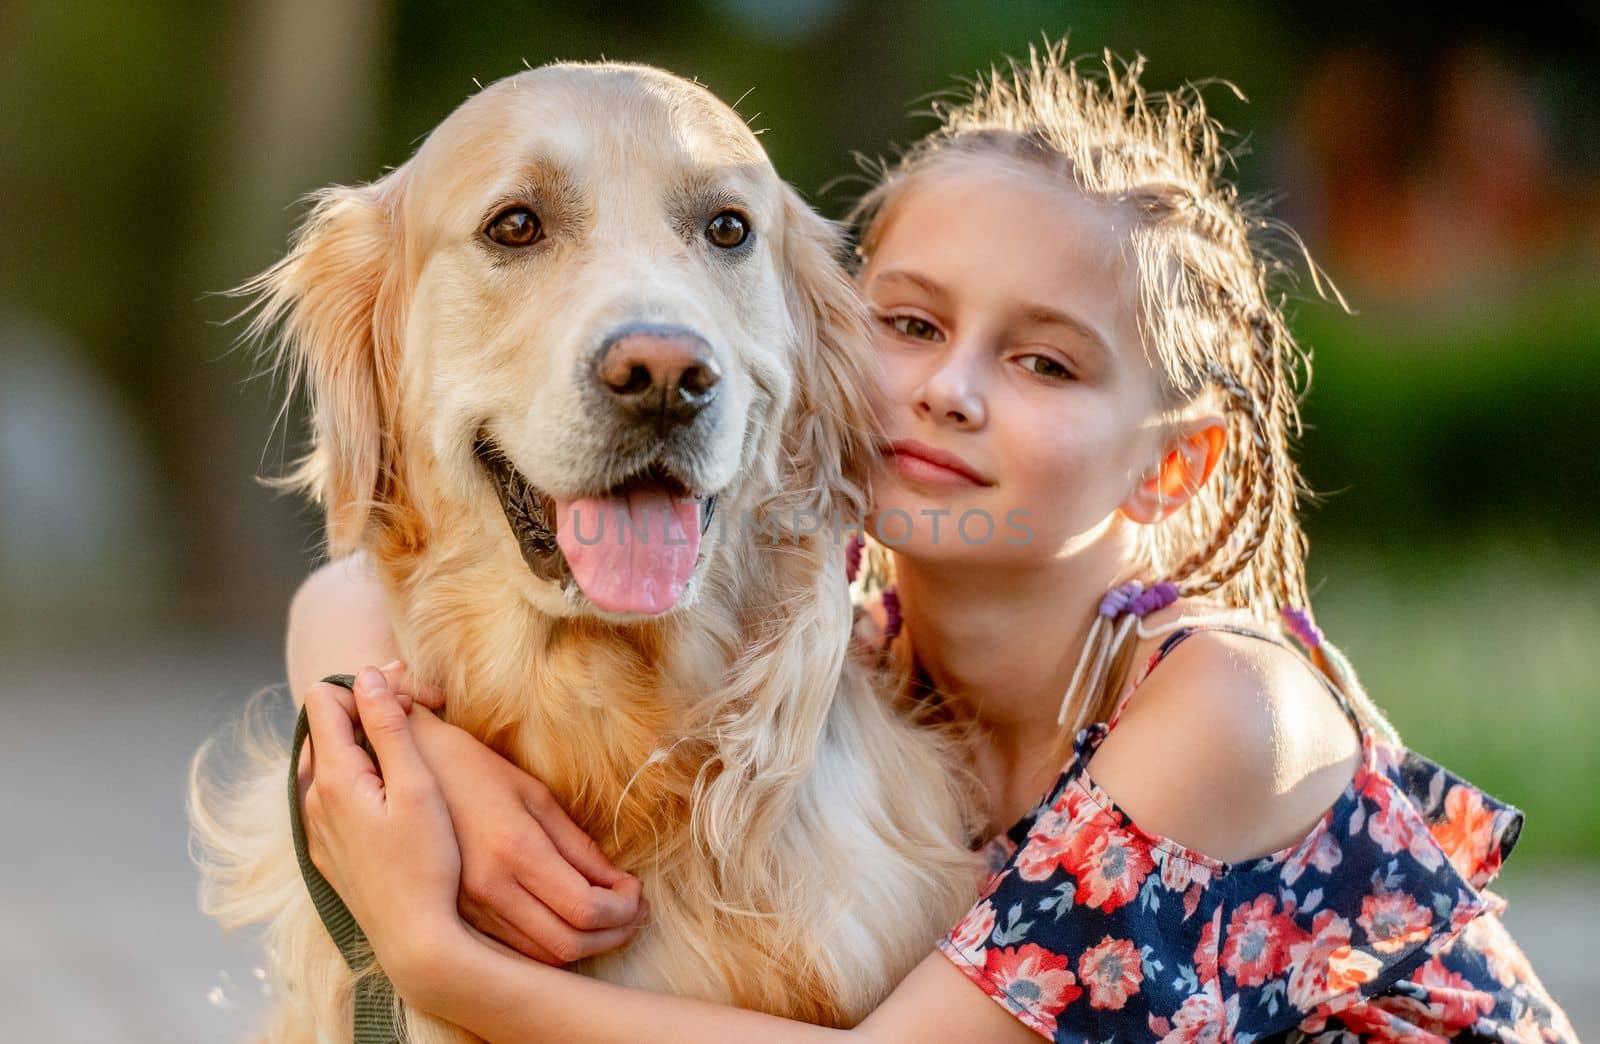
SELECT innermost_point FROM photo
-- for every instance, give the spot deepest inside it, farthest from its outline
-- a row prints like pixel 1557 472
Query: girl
pixel 1078 345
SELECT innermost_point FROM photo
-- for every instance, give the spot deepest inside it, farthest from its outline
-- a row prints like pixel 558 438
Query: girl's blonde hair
pixel 1208 318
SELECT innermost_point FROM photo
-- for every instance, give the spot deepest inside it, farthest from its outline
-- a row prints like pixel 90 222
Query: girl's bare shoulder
pixel 1232 747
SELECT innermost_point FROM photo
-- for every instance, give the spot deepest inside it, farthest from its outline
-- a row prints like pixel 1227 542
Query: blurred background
pixel 1445 173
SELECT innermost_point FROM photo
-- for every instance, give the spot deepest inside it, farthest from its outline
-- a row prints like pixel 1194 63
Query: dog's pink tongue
pixel 630 554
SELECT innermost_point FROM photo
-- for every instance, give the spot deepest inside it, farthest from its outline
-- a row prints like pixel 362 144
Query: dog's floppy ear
pixel 335 303
pixel 830 431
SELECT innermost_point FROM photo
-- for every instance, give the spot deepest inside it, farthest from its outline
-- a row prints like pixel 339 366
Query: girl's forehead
pixel 1027 208
pixel 994 228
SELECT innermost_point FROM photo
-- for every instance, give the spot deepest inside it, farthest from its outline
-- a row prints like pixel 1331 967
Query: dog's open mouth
pixel 630 549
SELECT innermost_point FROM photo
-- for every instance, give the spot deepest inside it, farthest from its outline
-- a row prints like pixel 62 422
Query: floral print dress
pixel 1377 926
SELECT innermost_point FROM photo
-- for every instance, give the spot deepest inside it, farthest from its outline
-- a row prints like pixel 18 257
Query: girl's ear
pixel 830 432
pixel 1185 466
pixel 335 303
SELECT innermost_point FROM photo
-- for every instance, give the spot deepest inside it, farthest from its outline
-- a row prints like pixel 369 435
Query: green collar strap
pixel 374 998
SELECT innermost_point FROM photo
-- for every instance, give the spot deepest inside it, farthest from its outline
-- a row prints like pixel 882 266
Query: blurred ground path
pixel 100 939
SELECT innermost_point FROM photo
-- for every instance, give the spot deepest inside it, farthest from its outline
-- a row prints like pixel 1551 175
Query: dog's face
pixel 589 305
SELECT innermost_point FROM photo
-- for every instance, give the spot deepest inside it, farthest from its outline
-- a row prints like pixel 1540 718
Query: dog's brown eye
pixel 516 227
pixel 727 230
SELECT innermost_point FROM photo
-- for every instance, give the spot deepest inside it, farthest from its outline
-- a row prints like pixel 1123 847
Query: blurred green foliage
pixel 1483 653
pixel 1476 416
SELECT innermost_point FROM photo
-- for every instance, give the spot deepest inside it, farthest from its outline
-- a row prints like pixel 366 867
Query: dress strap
pixel 1177 636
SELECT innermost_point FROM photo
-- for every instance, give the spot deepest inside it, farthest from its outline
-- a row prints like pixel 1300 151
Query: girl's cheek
pixel 898 381
pixel 878 393
pixel 1058 476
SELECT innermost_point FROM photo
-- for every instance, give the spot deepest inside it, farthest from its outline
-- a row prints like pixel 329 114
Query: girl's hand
pixel 407 691
pixel 385 842
pixel 530 877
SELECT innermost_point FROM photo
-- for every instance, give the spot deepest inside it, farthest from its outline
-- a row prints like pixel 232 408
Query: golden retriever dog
pixel 589 298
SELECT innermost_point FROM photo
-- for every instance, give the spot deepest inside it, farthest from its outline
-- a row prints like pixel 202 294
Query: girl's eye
pixel 1045 366
pixel 911 326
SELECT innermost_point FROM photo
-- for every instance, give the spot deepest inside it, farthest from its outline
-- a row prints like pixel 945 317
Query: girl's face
pixel 1005 324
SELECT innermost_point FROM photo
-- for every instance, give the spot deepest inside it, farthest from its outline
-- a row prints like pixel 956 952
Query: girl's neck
pixel 1002 641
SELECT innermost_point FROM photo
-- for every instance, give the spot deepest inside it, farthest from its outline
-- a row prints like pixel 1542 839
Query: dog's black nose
pixel 658 375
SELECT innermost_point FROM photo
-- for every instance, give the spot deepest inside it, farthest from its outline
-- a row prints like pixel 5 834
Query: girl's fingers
pixel 389 733
pixel 308 771
pixel 333 736
pixel 405 689
pixel 577 847
pixel 342 696
pixel 505 933
pixel 551 932
pixel 559 886
pixel 406 686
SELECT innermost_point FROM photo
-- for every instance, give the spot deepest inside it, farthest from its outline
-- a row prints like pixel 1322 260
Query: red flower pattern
pixel 1258 942
pixel 1394 920
pixel 1325 964
pixel 971 934
pixel 1037 981
pixel 1111 871
pixel 1203 1018
pixel 1206 950
pixel 1112 971
pixel 1467 831
pixel 1455 1002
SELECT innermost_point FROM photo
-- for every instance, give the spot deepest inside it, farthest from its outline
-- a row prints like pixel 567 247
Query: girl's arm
pixel 532 878
pixel 337 621
pixel 387 846
pixel 504 998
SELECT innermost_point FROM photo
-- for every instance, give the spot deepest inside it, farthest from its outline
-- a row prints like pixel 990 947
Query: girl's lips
pixel 915 469
pixel 929 466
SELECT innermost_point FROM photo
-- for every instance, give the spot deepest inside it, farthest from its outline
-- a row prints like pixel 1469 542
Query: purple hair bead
pixel 1118 598
pixel 1157 597
pixel 891 613
pixel 1300 625
pixel 852 558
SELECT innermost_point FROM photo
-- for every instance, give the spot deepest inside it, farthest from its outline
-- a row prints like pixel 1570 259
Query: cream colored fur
pixel 801 842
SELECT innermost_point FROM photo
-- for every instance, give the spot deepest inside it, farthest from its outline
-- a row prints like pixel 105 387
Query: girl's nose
pixel 952 393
